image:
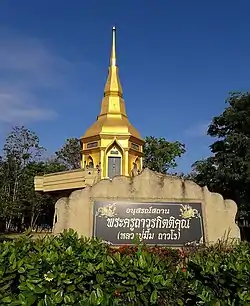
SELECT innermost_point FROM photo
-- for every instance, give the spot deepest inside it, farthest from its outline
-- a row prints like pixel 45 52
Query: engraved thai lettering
pixel 137 222
pixel 132 224
pixel 172 235
pixel 171 221
pixel 153 223
pixel 143 221
pixel 177 223
pixel 185 223
pixel 146 235
pixel 165 223
pixel 160 236
pixel 116 222
pixel 129 236
pixel 158 222
pixel 150 235
pixel 149 210
pixel 125 236
pixel 126 222
pixel 148 223
pixel 122 236
pixel 121 222
pixel 110 222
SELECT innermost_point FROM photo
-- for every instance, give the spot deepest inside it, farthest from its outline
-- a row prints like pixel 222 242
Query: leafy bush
pixel 220 275
pixel 67 270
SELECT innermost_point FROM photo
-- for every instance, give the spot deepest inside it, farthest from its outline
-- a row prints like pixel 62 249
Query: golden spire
pixel 112 120
pixel 113 50
pixel 113 86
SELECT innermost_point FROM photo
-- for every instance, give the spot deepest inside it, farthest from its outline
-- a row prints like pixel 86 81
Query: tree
pixel 20 149
pixel 37 205
pixel 20 205
pixel 227 171
pixel 70 154
pixel 160 155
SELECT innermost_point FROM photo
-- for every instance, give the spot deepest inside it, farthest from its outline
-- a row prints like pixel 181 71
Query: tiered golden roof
pixel 113 117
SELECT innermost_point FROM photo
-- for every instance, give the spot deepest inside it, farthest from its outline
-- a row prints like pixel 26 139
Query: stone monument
pixel 112 198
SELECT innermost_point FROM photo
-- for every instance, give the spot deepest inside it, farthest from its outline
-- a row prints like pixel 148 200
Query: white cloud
pixel 197 130
pixel 16 107
pixel 27 66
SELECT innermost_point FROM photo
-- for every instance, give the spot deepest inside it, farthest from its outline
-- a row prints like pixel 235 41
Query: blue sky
pixel 178 60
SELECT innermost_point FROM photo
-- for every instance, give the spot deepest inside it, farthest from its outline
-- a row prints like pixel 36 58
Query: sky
pixel 178 60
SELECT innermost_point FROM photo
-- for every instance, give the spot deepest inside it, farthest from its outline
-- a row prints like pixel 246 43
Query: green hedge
pixel 66 270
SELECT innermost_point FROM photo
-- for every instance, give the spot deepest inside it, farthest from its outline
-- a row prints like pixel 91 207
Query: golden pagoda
pixel 112 143
pixel 110 147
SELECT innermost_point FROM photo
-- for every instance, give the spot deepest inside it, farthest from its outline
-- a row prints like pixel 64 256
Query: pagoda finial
pixel 113 86
pixel 113 52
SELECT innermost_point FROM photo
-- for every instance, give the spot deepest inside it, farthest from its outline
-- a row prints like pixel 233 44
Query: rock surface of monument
pixel 149 188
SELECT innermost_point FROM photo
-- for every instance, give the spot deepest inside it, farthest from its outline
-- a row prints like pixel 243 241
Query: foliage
pixel 220 276
pixel 66 270
pixel 173 255
pixel 160 155
pixel 227 171
pixel 20 206
pixel 70 154
pixel 69 271
pixel 21 149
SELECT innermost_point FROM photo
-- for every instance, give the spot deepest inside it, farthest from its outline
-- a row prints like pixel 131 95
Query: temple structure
pixel 111 146
pixel 112 141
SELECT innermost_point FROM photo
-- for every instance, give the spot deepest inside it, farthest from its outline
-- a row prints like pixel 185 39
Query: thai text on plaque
pixel 173 224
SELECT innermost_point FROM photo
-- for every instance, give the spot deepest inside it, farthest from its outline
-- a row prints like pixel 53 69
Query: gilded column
pixel 126 163
pixel 103 163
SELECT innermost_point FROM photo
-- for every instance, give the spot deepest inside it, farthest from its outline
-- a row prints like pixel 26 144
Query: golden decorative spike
pixel 113 85
pixel 113 50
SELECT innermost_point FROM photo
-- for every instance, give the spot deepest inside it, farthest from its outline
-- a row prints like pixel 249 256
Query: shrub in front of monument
pixel 66 270
pixel 49 271
pixel 174 256
pixel 219 274
pixel 144 277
